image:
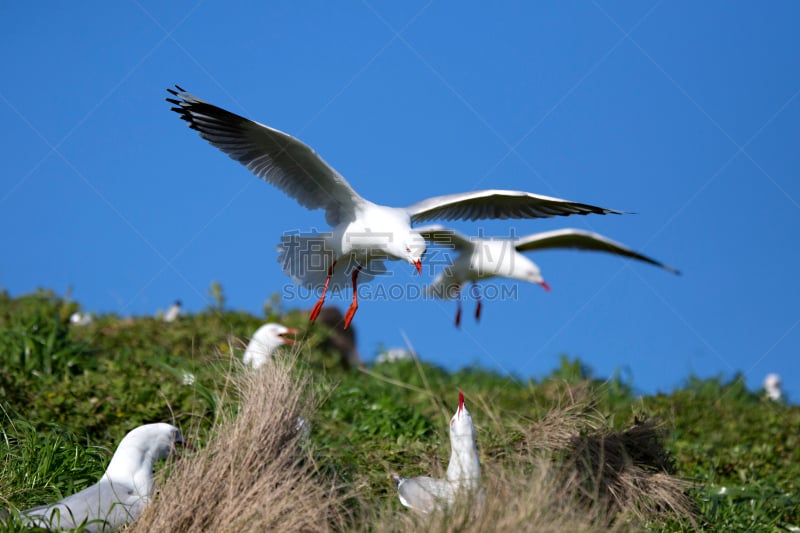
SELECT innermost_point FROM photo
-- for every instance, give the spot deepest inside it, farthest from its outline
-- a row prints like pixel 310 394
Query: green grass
pixel 68 395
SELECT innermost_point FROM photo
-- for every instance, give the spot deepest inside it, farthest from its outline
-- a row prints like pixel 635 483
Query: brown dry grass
pixel 628 472
pixel 253 475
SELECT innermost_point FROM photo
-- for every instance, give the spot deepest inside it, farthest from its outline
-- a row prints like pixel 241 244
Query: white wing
pixel 478 205
pixel 99 507
pixel 279 158
pixel 439 235
pixel 424 493
pixel 582 240
pixel 447 284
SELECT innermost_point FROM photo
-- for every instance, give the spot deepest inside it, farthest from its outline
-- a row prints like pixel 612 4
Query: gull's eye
pixel 408 249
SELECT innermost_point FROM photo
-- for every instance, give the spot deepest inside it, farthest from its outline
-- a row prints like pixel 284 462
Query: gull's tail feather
pixel 306 258
pixel 445 287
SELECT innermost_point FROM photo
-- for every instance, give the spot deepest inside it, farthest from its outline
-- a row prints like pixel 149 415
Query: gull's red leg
pixel 478 307
pixel 318 307
pixel 458 305
pixel 353 306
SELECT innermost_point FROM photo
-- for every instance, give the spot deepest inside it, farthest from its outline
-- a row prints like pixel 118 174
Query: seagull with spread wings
pixel 481 258
pixel 364 234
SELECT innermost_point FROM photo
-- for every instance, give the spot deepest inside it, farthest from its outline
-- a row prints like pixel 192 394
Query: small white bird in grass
pixel 80 319
pixel 264 341
pixel 772 384
pixel 394 355
pixel 463 472
pixel 124 490
pixel 173 312
pixel 364 234
pixel 483 258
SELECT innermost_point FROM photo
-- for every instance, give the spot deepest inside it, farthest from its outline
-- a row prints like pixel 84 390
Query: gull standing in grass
pixel 772 386
pixel 124 490
pixel 259 350
pixel 80 319
pixel 463 472
pixel 483 258
pixel 364 234
pixel 173 312
pixel 265 340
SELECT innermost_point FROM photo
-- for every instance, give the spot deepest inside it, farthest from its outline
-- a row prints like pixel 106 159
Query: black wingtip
pixel 175 92
pixel 180 111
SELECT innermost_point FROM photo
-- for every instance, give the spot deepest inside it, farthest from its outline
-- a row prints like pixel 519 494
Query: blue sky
pixel 685 113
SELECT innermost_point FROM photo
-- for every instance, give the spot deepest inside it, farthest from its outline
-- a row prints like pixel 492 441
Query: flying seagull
pixel 364 234
pixel 483 258
pixel 124 490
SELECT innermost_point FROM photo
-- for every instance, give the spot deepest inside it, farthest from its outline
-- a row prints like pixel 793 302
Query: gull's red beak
pixel 460 402
pixel 288 340
pixel 545 286
pixel 418 264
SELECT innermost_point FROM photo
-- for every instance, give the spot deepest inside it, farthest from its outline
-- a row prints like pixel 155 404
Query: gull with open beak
pixel 265 340
pixel 424 493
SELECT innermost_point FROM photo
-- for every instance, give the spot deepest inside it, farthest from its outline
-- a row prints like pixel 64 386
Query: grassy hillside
pixel 570 452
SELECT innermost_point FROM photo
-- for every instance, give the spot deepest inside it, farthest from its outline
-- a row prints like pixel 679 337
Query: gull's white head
pixel 411 247
pixel 772 384
pixel 264 341
pixel 461 426
pixel 138 450
pixel 156 440
pixel 526 270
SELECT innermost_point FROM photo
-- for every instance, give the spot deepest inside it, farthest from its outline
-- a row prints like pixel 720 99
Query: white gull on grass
pixel 394 355
pixel 124 490
pixel 364 234
pixel 772 385
pixel 259 350
pixel 265 340
pixel 482 258
pixel 80 319
pixel 426 494
pixel 174 312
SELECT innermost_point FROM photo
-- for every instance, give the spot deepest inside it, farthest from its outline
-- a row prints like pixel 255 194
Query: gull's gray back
pixel 425 493
pixel 101 507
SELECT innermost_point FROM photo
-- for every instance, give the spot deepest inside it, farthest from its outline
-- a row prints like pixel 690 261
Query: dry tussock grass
pixel 628 472
pixel 253 475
